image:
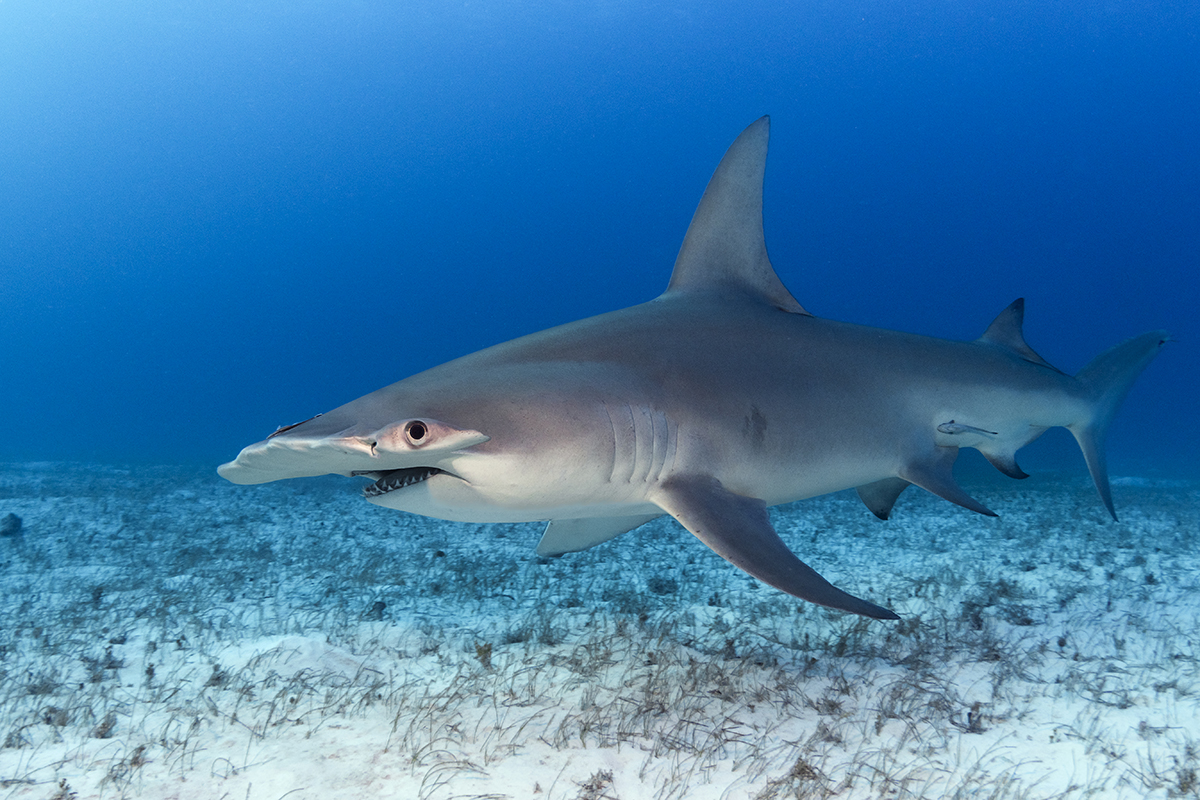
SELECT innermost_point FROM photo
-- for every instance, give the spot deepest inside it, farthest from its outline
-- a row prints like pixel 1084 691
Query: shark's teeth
pixel 398 479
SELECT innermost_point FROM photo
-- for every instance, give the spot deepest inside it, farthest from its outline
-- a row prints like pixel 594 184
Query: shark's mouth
pixel 395 479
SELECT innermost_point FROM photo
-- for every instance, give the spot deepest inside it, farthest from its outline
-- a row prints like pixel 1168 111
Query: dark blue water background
pixel 218 217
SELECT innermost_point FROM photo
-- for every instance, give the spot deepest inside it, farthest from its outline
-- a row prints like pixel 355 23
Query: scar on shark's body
pixel 719 398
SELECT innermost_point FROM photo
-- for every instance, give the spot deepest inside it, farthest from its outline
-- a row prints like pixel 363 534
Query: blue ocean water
pixel 219 217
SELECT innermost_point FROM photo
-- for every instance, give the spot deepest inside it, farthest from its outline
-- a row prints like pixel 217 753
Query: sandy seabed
pixel 167 635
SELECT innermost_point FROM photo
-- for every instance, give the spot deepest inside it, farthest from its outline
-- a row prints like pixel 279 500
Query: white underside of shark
pixel 710 403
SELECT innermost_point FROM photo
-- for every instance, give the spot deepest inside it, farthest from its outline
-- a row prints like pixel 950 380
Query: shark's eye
pixel 417 431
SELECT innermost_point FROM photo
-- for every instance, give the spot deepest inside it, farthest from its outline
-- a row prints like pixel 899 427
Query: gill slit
pixel 644 444
pixel 612 473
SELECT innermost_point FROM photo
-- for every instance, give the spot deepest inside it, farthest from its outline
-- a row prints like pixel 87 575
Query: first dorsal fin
pixel 1005 331
pixel 724 247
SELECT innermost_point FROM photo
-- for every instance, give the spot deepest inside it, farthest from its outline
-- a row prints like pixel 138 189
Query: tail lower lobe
pixel 1106 380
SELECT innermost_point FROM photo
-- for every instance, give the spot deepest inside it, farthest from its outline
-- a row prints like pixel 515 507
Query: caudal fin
pixel 1107 380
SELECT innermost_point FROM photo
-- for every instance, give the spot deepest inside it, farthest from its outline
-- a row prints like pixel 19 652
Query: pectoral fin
pixel 739 529
pixel 573 535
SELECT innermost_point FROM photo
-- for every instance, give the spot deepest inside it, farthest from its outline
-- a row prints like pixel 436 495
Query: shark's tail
pixel 1106 381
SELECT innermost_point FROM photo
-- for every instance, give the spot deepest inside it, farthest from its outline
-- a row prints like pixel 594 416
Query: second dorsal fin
pixel 1005 331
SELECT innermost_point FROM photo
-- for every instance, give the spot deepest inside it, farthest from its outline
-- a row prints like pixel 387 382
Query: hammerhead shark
pixel 717 399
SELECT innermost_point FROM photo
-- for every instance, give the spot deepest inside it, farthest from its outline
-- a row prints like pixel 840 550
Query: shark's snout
pixel 398 454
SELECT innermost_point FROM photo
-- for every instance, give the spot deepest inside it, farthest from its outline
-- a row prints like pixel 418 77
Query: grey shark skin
pixel 717 399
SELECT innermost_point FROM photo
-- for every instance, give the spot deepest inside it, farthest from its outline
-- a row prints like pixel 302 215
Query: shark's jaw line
pixel 397 479
pixel 719 398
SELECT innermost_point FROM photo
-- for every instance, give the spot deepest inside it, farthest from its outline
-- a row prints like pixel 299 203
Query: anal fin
pixel 739 530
